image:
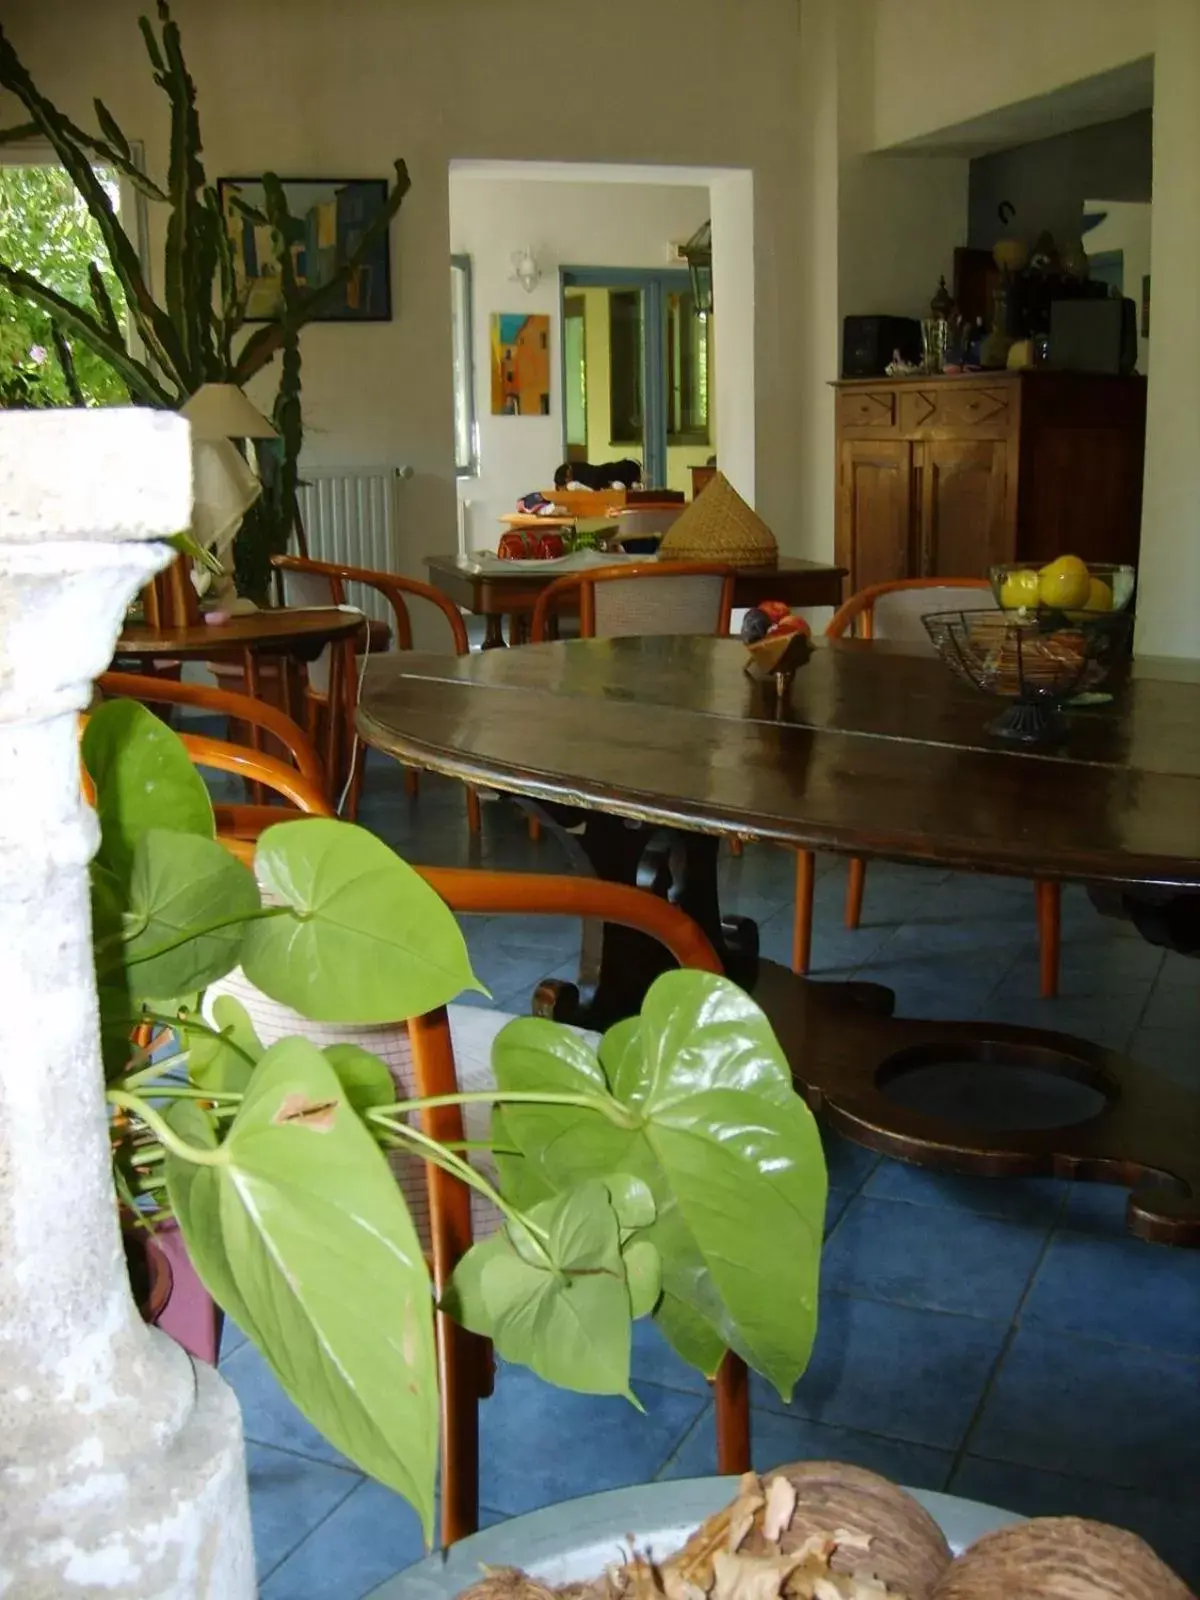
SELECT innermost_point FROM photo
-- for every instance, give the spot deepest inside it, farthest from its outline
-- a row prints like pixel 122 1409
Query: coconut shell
pixel 891 1536
pixel 1060 1558
pixel 506 1583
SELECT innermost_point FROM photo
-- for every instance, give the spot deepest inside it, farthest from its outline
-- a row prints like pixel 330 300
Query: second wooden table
pixel 496 595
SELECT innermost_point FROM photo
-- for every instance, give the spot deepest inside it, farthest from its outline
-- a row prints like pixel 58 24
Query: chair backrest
pixel 893 611
pixel 155 692
pixel 396 590
pixel 643 598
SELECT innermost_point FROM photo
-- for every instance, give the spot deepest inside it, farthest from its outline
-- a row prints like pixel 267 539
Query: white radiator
pixel 349 515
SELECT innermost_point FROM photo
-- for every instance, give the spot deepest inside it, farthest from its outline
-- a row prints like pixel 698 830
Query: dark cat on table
pixel 609 475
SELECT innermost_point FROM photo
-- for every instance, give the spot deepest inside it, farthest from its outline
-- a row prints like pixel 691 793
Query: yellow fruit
pixel 1020 588
pixel 1099 596
pixel 1065 583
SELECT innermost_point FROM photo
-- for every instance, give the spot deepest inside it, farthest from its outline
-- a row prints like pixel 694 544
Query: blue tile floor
pixel 1003 1340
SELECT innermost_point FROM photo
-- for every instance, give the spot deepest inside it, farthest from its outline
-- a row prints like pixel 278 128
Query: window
pixel 625 364
pixel 685 340
pixel 466 436
pixel 46 229
pixel 687 371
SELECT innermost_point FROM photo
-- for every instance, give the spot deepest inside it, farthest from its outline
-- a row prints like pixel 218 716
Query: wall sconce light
pixel 525 270
pixel 697 252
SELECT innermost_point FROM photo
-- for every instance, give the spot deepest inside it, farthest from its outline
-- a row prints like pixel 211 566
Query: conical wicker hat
pixel 720 526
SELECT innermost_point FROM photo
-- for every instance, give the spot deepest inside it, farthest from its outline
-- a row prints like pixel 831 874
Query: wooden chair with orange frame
pixel 464 1360
pixel 309 582
pixel 894 611
pixel 638 597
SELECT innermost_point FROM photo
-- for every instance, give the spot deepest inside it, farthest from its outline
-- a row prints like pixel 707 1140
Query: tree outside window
pixel 46 228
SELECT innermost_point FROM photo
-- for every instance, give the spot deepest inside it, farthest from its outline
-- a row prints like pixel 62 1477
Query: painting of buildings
pixel 328 219
pixel 520 365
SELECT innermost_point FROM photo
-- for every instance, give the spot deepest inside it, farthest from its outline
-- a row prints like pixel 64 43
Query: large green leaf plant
pixel 670 1173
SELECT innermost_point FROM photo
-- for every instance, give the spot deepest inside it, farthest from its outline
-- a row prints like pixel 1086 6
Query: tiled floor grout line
pixel 706 1410
pixel 299 1455
pixel 308 1533
pixel 963 1449
pixel 1127 1047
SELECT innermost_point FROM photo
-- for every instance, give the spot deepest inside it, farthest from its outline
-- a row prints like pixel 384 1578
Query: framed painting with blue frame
pixel 329 216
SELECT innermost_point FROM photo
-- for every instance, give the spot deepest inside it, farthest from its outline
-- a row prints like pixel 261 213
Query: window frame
pixel 462 338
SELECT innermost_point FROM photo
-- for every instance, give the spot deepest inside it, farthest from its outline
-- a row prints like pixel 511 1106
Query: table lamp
pixel 225 484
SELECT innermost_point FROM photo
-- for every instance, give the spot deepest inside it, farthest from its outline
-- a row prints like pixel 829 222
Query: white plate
pixel 576 1540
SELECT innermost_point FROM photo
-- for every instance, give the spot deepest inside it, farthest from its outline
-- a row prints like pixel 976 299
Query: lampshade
pixel 221 411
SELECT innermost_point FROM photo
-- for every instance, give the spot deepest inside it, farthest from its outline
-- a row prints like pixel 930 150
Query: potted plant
pixel 189 339
pixel 659 1175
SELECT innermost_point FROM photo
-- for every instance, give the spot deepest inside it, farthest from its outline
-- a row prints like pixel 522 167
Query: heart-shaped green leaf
pixel 365 938
pixel 188 904
pixel 643 1273
pixel 562 1310
pixel 144 779
pixel 522 1182
pixel 633 1201
pixel 729 1151
pixel 363 1076
pixel 302 1233
pixel 223 1061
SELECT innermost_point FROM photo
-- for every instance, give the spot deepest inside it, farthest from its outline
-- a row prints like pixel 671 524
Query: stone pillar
pixel 121 1465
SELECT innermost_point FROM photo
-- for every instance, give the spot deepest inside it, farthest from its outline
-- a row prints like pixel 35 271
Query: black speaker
pixel 1093 335
pixel 869 343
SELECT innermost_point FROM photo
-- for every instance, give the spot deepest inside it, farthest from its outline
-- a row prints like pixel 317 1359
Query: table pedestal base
pixel 1146 1132
pixel 847 1049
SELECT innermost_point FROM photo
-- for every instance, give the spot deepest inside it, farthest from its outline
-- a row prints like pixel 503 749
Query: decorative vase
pixel 995 348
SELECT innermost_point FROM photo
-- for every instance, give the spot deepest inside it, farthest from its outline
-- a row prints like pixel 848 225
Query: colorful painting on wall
pixel 520 365
pixel 329 216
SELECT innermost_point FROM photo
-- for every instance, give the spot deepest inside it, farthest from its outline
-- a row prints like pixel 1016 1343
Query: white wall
pixel 305 87
pixel 1126 227
pixel 875 233
pixel 1169 582
pixel 937 63
pixel 583 224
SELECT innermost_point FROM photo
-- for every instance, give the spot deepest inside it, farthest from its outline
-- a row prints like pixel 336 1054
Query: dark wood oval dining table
pixel 643 751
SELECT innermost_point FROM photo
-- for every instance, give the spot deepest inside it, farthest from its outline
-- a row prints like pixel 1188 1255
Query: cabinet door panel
pixel 964 527
pixel 875 511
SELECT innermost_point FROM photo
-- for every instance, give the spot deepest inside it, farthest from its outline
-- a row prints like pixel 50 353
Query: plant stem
pixel 173 1091
pixel 177 1146
pixel 149 1074
pixel 433 1150
pixel 190 934
pixel 606 1106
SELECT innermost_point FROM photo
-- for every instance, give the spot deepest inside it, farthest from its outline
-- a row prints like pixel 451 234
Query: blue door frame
pixel 655 285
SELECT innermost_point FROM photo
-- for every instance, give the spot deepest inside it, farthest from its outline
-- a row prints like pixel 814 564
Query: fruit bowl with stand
pixel 1040 659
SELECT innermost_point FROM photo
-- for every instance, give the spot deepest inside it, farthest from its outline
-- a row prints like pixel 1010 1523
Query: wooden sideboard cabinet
pixel 944 476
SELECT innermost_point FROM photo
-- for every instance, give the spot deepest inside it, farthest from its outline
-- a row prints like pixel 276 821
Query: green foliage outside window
pixel 47 229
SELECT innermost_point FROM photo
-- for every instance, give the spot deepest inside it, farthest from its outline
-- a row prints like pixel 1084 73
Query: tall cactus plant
pixel 196 335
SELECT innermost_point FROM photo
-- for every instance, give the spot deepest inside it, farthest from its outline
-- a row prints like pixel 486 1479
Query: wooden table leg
pixel 493 631
pixel 618 965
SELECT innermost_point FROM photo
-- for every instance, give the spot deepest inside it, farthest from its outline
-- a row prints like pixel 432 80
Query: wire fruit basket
pixel 1041 661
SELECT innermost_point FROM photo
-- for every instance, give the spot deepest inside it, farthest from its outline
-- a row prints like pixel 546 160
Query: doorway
pixel 637 372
